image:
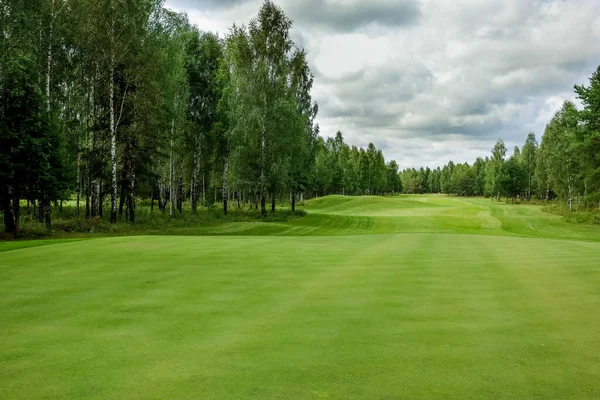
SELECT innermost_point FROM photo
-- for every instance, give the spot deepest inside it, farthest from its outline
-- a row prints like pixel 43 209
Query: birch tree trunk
pixel 88 182
pixel 49 58
pixel 78 174
pixel 196 177
pixel 263 194
pixel 180 187
pixel 113 138
pixel 225 183
pixel 171 199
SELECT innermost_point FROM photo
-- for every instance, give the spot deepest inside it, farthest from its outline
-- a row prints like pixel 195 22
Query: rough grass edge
pixel 67 224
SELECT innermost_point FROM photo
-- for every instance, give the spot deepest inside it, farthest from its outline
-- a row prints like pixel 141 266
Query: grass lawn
pixel 365 298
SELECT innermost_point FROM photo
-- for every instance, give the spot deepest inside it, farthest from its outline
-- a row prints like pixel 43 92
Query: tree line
pixel 109 101
pixel 351 170
pixel 564 165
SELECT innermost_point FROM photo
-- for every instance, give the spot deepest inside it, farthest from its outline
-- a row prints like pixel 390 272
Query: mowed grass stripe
pixel 563 283
pixel 233 318
pixel 538 359
pixel 383 307
pixel 341 215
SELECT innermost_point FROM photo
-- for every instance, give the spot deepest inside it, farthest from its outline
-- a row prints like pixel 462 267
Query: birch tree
pixel 202 62
pixel 588 137
pixel 119 26
pixel 559 140
pixel 528 161
pixel 495 169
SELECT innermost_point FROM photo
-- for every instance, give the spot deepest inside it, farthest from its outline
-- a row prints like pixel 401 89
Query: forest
pixel 107 103
pixel 563 166
pixel 115 101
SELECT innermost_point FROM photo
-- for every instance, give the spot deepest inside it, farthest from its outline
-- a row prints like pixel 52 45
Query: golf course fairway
pixel 407 297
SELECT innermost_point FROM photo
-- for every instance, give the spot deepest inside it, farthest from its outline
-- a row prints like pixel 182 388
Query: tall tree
pixel 119 27
pixel 588 137
pixel 512 178
pixel 206 79
pixel 528 161
pixel 560 150
pixel 30 160
pixel 495 169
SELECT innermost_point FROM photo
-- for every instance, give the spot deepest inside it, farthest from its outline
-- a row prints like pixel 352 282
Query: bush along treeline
pixel 109 101
pixel 565 165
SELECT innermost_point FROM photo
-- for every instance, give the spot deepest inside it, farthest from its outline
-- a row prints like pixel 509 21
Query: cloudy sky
pixel 432 80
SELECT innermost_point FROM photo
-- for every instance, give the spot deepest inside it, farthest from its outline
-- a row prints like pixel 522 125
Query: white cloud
pixel 434 80
pixel 346 54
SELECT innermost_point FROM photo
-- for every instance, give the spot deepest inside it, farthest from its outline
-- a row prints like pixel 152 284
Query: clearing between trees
pixel 365 297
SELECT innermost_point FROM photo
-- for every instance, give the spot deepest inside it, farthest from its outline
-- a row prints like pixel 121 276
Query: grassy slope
pixel 386 316
pixel 341 215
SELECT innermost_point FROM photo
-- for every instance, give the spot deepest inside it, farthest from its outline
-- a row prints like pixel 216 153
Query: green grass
pixel 68 224
pixel 364 298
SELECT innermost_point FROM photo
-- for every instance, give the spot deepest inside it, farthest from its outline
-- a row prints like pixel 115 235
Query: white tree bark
pixel 171 189
pixel 113 140
pixel 49 58
pixel 180 186
pixel 263 178
pixel 78 171
pixel 195 177
pixel 225 183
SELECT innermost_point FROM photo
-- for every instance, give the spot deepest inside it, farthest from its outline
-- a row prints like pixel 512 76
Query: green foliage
pixel 513 178
pixel 342 169
pixel 559 146
pixel 529 162
pixel 588 135
pixel 565 165
pixel 31 162
pixel 128 100
pixel 66 222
